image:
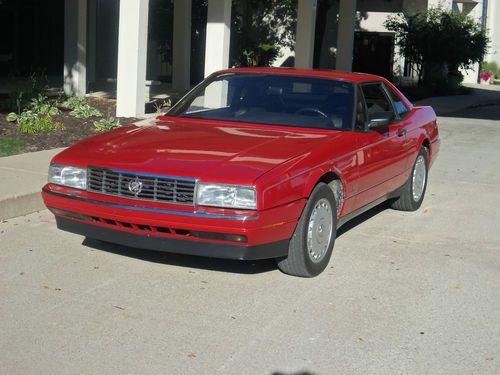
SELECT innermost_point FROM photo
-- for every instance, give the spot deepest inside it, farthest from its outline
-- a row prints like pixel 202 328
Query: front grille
pixel 152 187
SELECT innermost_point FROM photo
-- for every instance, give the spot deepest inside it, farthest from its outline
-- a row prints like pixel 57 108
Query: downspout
pixel 484 18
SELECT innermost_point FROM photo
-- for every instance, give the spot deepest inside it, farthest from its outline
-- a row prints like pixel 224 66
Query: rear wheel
pixel 414 189
pixel 312 243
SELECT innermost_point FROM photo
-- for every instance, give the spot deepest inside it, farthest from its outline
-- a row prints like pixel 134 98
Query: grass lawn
pixel 11 146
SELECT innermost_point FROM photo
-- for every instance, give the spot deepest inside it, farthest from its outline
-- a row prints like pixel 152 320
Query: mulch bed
pixel 74 130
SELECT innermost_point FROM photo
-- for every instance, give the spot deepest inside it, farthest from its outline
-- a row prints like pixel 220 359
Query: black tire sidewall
pixel 321 190
pixel 416 204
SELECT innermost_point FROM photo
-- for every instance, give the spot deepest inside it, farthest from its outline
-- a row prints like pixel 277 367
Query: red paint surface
pixel 283 163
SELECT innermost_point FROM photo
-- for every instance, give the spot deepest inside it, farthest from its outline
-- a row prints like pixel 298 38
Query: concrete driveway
pixel 405 293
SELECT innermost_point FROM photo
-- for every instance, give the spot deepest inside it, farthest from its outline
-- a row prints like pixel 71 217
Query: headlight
pixel 231 196
pixel 68 176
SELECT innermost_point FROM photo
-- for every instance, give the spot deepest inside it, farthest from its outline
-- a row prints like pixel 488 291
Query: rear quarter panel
pixel 422 128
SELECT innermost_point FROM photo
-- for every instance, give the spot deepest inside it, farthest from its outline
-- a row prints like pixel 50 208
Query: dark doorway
pixel 31 37
pixel 373 53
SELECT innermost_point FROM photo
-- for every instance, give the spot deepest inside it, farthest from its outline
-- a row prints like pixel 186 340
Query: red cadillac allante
pixel 250 164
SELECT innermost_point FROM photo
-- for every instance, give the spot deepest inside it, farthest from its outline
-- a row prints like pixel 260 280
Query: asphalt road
pixel 405 293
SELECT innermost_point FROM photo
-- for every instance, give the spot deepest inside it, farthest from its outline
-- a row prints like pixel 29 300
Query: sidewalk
pixel 22 176
pixel 482 95
pixel 21 180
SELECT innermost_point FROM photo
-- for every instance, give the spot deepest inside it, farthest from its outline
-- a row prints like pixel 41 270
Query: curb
pixel 22 178
pixel 20 205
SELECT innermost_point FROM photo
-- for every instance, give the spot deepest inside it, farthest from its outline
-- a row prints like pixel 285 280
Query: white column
pixel 345 34
pixel 218 34
pixel 132 58
pixel 75 47
pixel 181 65
pixel 306 26
pixel 493 27
pixel 91 40
pixel 446 4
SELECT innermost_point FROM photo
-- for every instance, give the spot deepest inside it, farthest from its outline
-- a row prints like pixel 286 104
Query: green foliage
pixel 490 67
pixel 29 122
pixel 261 55
pixel 85 111
pixel 106 124
pixel 161 106
pixel 80 108
pixel 12 117
pixel 36 117
pixel 11 146
pixel 438 41
pixel 42 106
pixel 259 29
pixel 73 102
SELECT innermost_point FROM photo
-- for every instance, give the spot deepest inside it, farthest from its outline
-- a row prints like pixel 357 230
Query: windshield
pixel 274 99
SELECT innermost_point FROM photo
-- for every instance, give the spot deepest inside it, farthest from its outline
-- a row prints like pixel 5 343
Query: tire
pixel 312 242
pixel 414 189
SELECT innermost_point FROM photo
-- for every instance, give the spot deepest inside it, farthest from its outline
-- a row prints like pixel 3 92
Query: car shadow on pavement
pixel 362 218
pixel 215 264
pixel 188 261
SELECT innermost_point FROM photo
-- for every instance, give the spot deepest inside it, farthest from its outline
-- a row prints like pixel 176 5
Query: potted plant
pixel 485 77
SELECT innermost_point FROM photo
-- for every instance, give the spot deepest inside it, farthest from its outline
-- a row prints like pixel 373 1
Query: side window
pixel 378 104
pixel 400 106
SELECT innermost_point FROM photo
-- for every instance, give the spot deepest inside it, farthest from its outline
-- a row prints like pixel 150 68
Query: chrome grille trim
pixel 156 188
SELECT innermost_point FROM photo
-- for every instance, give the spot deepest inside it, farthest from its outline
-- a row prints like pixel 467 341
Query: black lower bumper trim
pixel 173 245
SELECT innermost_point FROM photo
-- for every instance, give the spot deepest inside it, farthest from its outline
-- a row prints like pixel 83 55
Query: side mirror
pixel 380 120
pixel 378 123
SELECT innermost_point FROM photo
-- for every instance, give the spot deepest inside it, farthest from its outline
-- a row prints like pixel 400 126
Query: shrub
pixel 438 41
pixel 106 124
pixel 80 108
pixel 42 106
pixel 73 101
pixel 31 123
pixel 85 111
pixel 491 68
pixel 37 117
pixel 162 106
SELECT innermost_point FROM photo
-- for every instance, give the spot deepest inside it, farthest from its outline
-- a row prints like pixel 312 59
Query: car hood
pixel 209 150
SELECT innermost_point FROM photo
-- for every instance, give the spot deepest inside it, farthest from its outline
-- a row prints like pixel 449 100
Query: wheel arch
pixel 425 142
pixel 334 180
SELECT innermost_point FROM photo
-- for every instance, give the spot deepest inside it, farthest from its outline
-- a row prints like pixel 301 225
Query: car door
pixel 381 153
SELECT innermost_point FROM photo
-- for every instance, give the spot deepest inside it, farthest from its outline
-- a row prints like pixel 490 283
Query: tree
pixel 259 28
pixel 438 42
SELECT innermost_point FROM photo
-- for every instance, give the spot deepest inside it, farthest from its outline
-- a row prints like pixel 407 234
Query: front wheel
pixel 413 191
pixel 312 243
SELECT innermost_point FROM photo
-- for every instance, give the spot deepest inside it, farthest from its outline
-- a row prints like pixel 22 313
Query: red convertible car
pixel 250 164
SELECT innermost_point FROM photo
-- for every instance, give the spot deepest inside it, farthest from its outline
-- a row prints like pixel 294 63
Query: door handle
pixel 401 132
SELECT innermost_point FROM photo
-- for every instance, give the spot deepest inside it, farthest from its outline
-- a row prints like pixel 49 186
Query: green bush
pixel 30 123
pixel 85 111
pixel 80 108
pixel 106 124
pixel 490 67
pixel 42 106
pixel 438 41
pixel 73 102
pixel 37 117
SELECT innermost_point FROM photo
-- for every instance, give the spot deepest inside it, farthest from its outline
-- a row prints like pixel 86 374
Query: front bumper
pixel 173 245
pixel 220 233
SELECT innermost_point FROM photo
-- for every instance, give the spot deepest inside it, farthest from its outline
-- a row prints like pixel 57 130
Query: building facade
pixel 133 43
